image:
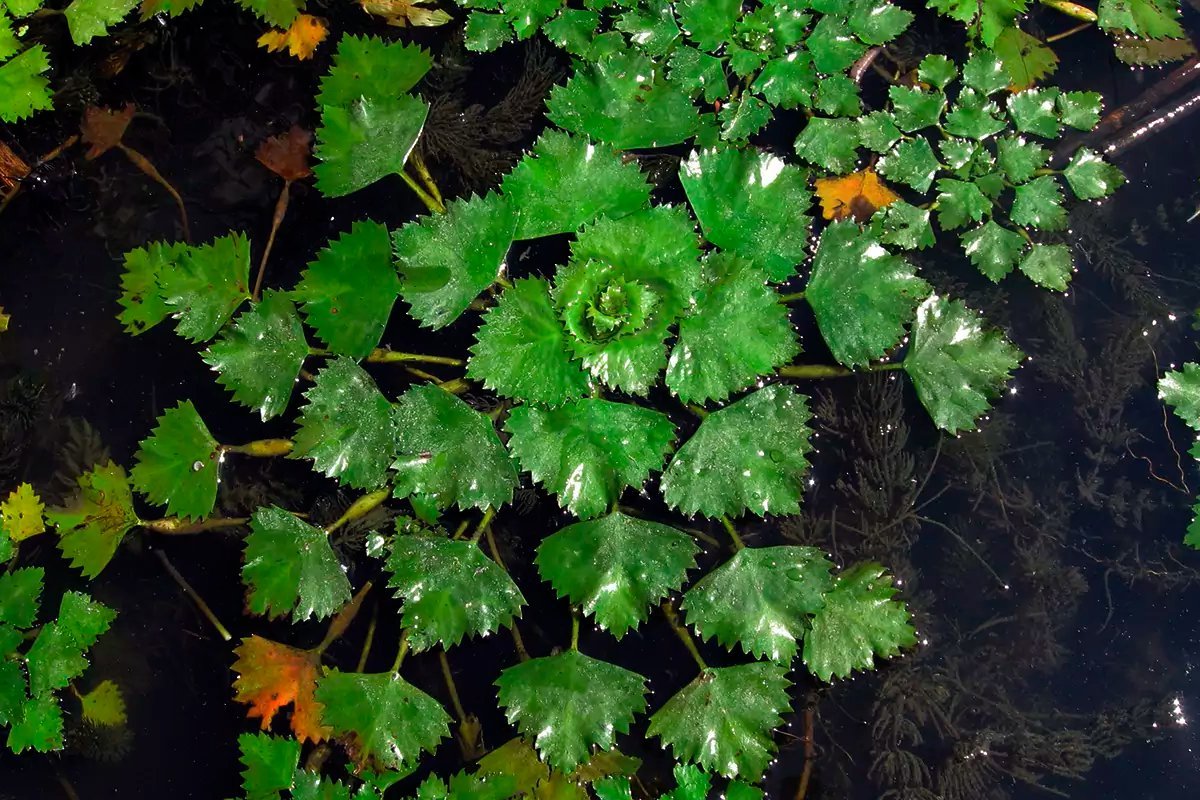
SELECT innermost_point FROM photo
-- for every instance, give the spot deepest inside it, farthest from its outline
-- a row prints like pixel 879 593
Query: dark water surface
pixel 1057 611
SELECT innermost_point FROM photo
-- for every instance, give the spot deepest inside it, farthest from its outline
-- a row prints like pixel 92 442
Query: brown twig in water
pixel 809 752
pixel 864 63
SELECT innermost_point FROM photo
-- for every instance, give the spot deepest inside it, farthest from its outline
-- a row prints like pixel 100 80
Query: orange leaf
pixel 858 195
pixel 287 154
pixel 271 675
pixel 103 128
pixel 301 39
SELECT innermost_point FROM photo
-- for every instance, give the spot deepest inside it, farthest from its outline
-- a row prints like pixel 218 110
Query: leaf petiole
pixel 191 593
pixel 261 448
pixel 484 524
pixel 818 371
pixel 429 200
pixel 402 652
pixel 733 534
pixel 361 507
pixel 680 631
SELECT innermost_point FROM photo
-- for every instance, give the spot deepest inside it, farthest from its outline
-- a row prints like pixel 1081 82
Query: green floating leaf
pixel 366 141
pixel 347 427
pixel 749 456
pixel 1039 204
pixel 87 19
pixel 1080 110
pixel 838 96
pixel 57 655
pixel 279 13
pixel 723 720
pixel 177 466
pixel 700 74
pixel 368 67
pixel 449 453
pixel 39 727
pixel 347 293
pixel 568 181
pixel 23 87
pixel 1192 538
pixel 960 202
pixel 1180 390
pixel 743 118
pixel 708 23
pixel 936 70
pixel 616 567
pixel 142 304
pixel 831 144
pixel 761 599
pixel 207 285
pixel 985 72
pixel 446 260
pixel 1026 58
pixel 985 18
pixel 20 593
pixel 974 116
pixel 786 82
pixel 628 280
pixel 1048 265
pixel 95 521
pixel 624 100
pixel 751 203
pixel 878 21
pixel 833 45
pixel 450 590
pixel 861 294
pixel 9 44
pixel 568 703
pixel 914 109
pixel 1033 111
pixel 860 619
pixel 957 366
pixel 1020 159
pixel 486 31
pixel 911 162
pixel 589 450
pixel 993 249
pixel 904 225
pixel 388 720
pixel 312 786
pixel 270 763
pixel 737 331
pixel 877 131
pixel 1149 19
pixel 651 27
pixel 291 567
pixel 259 356
pixel 1090 176
pixel 520 350
pixel 573 30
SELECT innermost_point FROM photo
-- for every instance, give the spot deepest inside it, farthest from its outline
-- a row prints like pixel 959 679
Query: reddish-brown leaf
pixel 13 169
pixel 287 154
pixel 103 128
pixel 271 675
pixel 858 195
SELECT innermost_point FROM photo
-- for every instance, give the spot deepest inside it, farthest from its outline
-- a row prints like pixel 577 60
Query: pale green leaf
pixel 96 519
pixel 87 19
pixel 1048 265
pixel 1090 176
pixel 269 764
pixel 23 87
pixel 1039 204
pixel 1180 390
pixel 368 67
pixel 141 302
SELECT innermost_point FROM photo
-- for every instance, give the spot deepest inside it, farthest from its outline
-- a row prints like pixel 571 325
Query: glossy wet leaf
pixel 911 162
pixel 178 465
pixel 371 68
pixel 1192 538
pixel 904 225
pixel 23 87
pixel 259 356
pixel 957 365
pixel 22 514
pixel 39 726
pixel 616 567
pixel 760 599
pixel 724 719
pixel 744 118
pixel 347 427
pixel 520 350
pixel 936 70
pixel 737 331
pixel 1026 58
pixel 831 144
pixel 860 620
pixel 1090 176
pixel 279 13
pixel 960 203
pixel 573 30
pixel 857 195
pixel 486 31
pixel 1020 158
pixel 1039 204
pixel 271 675
pixel 568 181
pixel 838 96
pixel 450 453
pixel 450 590
pixel 59 653
pixel 914 109
pixel 366 141
pixel 87 19
pixel 985 72
pixel 993 249
pixel 861 294
pixel 751 203
pixel 1033 111
pixel 877 131
pixel 984 18
pixel 1048 265
pixel 1180 389
pixel 446 260
pixel 703 75
pixel 1080 110
pixel 103 705
pixel 206 285
pixel 96 519
pixel 20 596
pixel 348 291
pixel 142 305
pixel 708 22
pixel 624 100
pixel 833 45
pixel 388 721
pixel 588 451
pixel 749 456
pixel 1149 19
pixel 628 280
pixel 569 703
pixel 290 567
pixel 974 116
pixel 269 763
pixel 960 155
pixel 651 27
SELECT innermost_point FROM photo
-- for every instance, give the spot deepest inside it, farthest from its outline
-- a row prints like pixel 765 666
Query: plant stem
pixel 426 178
pixel 361 507
pixel 673 619
pixel 261 448
pixel 1083 26
pixel 338 625
pixel 699 411
pixel 792 298
pixel 175 526
pixel 733 534
pixel 1073 10
pixel 429 200
pixel 370 640
pixel 281 206
pixel 462 528
pixel 809 753
pixel 818 371
pixel 143 163
pixel 455 385
pixel 402 652
pixel 518 642
pixel 384 356
pixel 450 687
pixel 195 598
pixel 574 628
pixel 484 523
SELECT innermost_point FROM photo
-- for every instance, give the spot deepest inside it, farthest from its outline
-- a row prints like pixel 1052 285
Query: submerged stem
pixel 381 355
pixel 680 631
pixel 431 202
pixel 733 534
pixel 518 642
pixel 281 206
pixel 574 628
pixel 143 163
pixel 819 371
pixel 179 526
pixel 484 523
pixel 338 625
pixel 370 640
pixel 195 598
pixel 361 507
pixel 402 652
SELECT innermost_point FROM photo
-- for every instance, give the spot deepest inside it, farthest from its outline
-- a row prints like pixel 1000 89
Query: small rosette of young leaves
pixel 588 451
pixel 762 599
pixel 206 285
pixel 347 427
pixel 95 520
pixel 178 465
pixel 724 719
pixel 446 260
pixel 290 567
pixel 567 181
pixel 569 703
pixel 616 567
pixel 956 364
pixel 751 455
pixel 628 280
pixel 259 356
pixel 750 203
pixel 448 453
pixel 450 590
pixel 859 620
pixel 387 720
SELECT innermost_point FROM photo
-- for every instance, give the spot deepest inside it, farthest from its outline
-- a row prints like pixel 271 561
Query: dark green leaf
pixel 1080 110
pixel 911 162
pixel 700 74
pixel 1026 58
pixel 20 593
pixel 1090 176
pixel 573 30
pixel 914 109
pixel 1180 390
pixel 141 300
pixel 1149 19
pixel 40 726
pixel 1033 111
pixel 369 139
pixel 831 144
pixel 291 567
pixel 207 285
pixel 878 21
pixel 743 118
pixel 974 116
pixel 877 131
pixel 1048 265
pixel 24 90
pixel 58 653
pixel 838 96
pixel 985 72
pixel 833 45
pixel 959 202
pixel 993 249
pixel 708 22
pixel 178 465
pixel 527 16
pixel 1039 204
pixel 280 13
pixel 652 28
pixel 367 67
pixel 1020 159
pixel 270 763
pixel 904 225
pixel 486 31
pixel 786 82
pixel 937 71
